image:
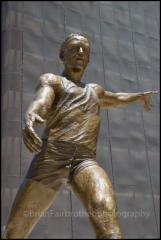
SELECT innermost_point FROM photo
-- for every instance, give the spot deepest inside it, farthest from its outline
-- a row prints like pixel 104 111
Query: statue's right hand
pixel 30 138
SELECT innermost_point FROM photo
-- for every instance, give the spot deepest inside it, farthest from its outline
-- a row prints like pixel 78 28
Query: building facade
pixel 125 57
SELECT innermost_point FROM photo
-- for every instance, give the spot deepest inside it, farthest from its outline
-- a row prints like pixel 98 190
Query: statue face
pixel 76 54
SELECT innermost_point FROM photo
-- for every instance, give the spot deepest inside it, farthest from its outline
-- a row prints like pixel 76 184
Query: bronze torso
pixel 74 116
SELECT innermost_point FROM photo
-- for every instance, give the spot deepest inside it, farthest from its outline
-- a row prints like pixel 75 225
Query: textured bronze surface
pixel 67 151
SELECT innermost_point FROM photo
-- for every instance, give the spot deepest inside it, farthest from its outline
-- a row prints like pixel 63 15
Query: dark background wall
pixel 124 58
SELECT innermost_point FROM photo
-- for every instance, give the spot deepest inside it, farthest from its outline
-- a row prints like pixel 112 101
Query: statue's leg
pixel 32 199
pixel 93 187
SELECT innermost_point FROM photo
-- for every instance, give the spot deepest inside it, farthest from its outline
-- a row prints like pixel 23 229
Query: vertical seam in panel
pixel 64 20
pixel 22 68
pixel 4 78
pixel 7 84
pixel 105 85
pixel 146 152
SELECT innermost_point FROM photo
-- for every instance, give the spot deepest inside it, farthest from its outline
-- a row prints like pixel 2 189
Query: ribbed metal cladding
pixel 124 58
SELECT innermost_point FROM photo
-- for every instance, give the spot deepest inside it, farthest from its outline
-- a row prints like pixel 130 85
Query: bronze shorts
pixel 59 162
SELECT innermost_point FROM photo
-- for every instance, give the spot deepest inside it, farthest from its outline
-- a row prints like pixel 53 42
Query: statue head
pixel 75 52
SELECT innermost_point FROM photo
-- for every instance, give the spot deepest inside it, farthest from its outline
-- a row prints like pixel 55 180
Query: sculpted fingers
pixel 143 101
pixel 30 130
pixel 146 100
pixel 28 146
pixel 147 108
pixel 32 146
pixel 148 103
pixel 39 119
pixel 30 143
pixel 25 142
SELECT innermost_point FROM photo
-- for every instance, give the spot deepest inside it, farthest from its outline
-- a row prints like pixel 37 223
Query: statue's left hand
pixel 146 100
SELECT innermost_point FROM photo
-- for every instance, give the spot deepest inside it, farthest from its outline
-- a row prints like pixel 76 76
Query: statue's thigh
pixel 93 187
pixel 32 199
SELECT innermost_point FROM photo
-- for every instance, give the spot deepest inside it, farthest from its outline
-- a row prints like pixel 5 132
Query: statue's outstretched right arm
pixel 111 100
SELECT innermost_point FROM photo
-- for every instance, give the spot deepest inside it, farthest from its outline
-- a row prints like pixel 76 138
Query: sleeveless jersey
pixel 74 116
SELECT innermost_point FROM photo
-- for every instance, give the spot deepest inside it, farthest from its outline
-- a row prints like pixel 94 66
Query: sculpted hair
pixel 72 35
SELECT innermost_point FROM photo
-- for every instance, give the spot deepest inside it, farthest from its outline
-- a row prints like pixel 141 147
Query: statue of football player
pixel 66 154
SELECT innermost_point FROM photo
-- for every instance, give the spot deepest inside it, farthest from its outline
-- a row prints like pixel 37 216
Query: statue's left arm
pixel 110 100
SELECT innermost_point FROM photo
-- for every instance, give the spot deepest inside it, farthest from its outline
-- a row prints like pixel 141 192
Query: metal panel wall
pixel 124 58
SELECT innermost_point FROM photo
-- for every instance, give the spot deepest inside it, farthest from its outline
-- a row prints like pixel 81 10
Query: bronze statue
pixel 67 151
